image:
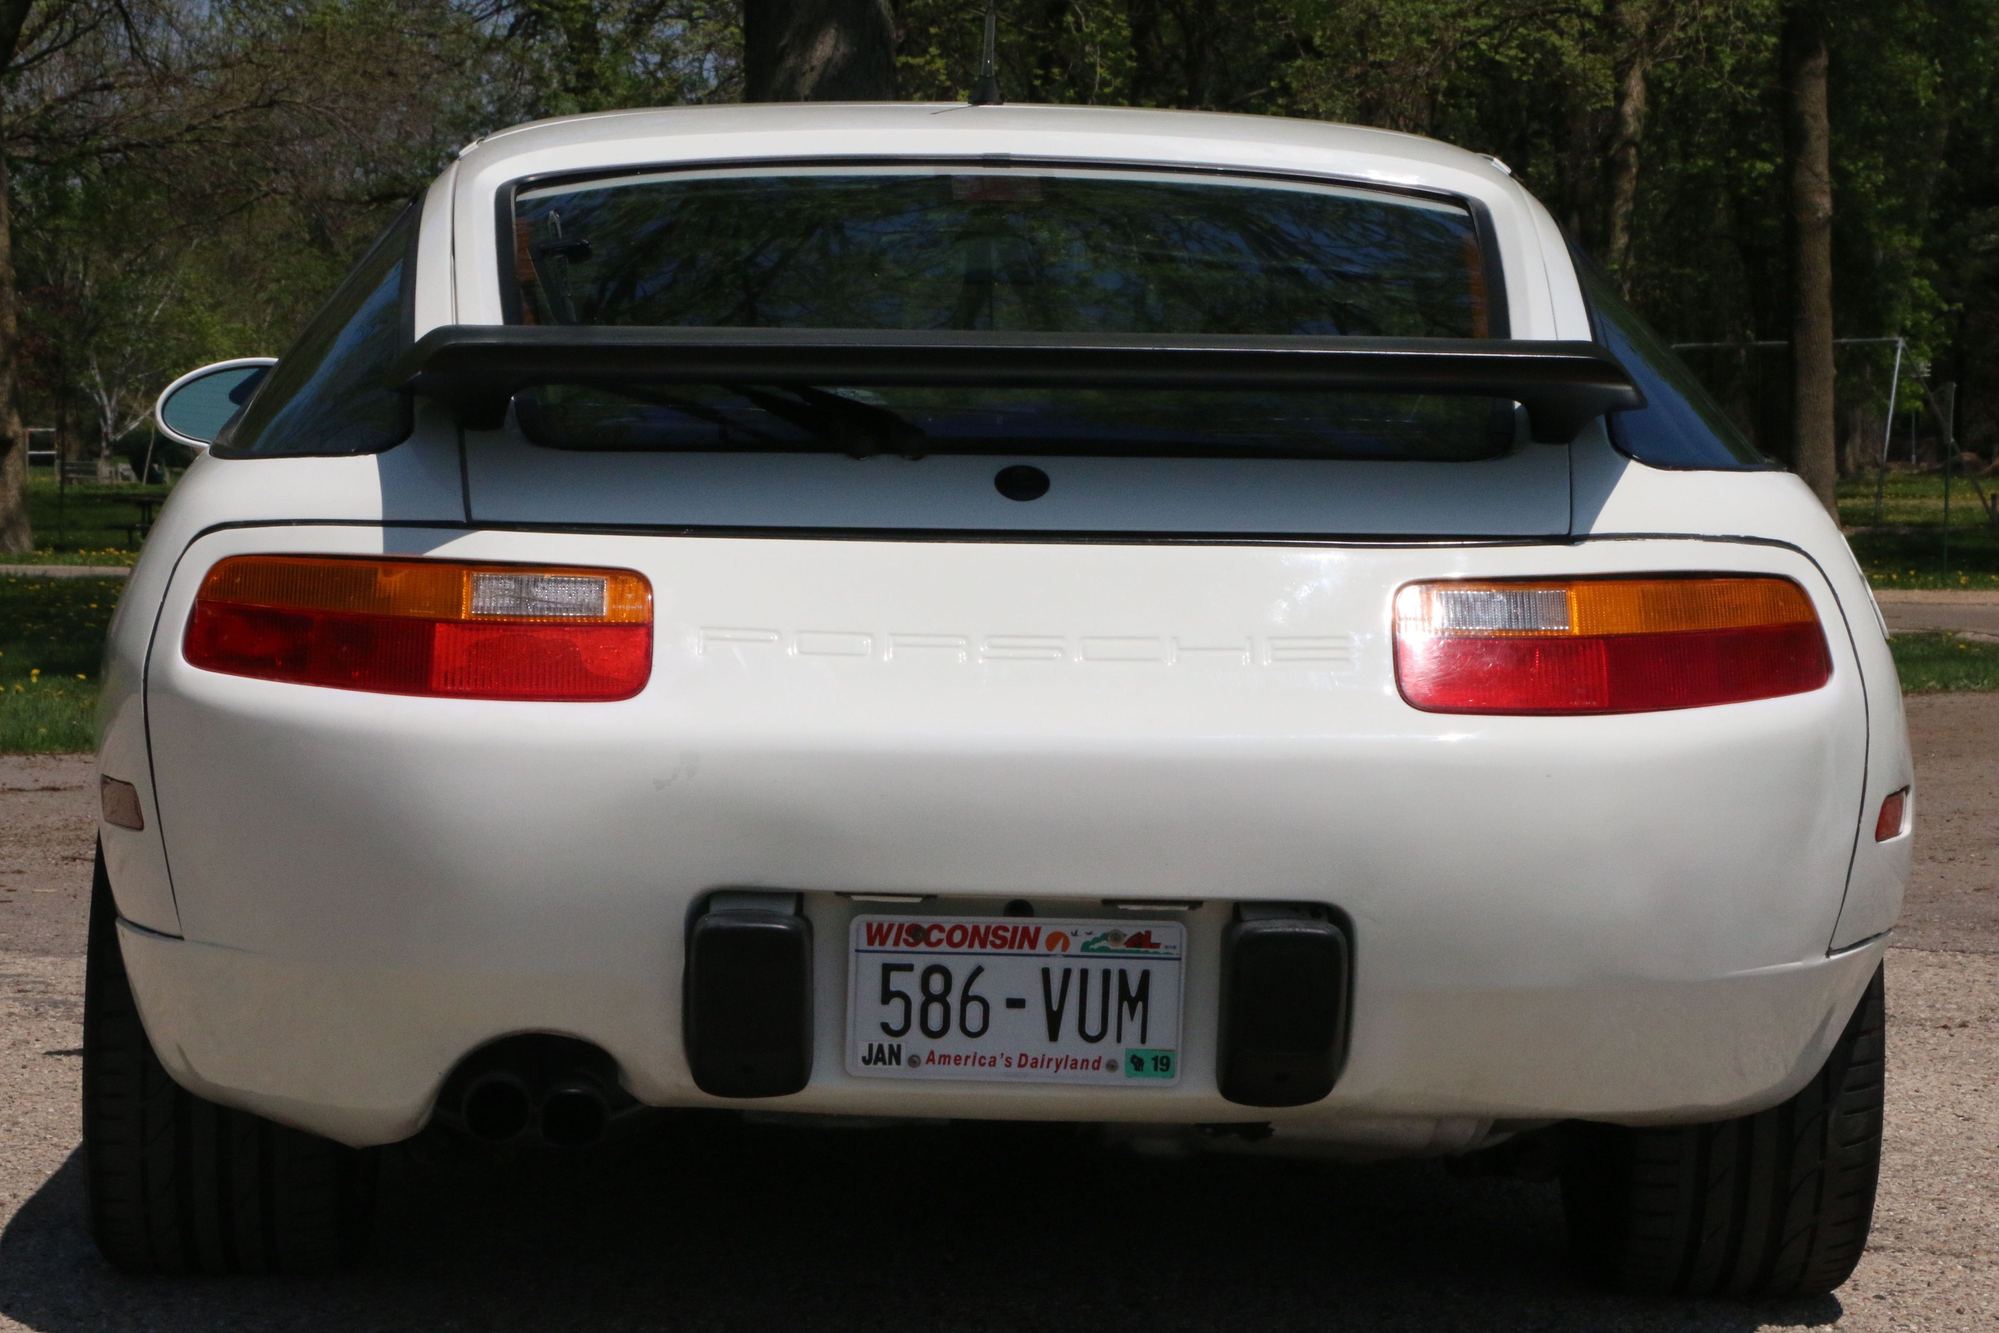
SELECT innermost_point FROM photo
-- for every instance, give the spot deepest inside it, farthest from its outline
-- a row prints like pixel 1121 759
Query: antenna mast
pixel 986 92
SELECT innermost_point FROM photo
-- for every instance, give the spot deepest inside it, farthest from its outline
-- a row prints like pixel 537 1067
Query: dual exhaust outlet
pixel 500 1107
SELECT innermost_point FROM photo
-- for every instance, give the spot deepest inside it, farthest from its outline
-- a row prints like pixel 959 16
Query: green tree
pixel 818 51
pixel 1809 170
pixel 561 57
pixel 235 155
pixel 15 533
pixel 77 82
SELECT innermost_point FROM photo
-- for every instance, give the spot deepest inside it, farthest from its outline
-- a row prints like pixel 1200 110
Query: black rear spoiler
pixel 476 369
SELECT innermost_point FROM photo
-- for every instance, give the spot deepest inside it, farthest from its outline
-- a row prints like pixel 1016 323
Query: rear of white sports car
pixel 1193 623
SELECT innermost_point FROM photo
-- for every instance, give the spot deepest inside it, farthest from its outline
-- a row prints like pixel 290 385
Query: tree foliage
pixel 186 179
pixel 1654 129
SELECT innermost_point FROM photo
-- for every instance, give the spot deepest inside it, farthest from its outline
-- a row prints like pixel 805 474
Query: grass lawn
pixel 51 639
pixel 1909 499
pixel 52 636
pixel 82 524
pixel 1907 549
pixel 1932 663
pixel 1913 557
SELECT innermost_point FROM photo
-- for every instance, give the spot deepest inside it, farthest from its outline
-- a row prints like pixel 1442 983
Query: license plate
pixel 1016 1000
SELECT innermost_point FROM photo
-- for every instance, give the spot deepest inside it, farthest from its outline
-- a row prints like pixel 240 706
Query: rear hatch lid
pixel 977 348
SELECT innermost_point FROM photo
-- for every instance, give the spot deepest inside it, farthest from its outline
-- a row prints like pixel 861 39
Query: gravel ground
pixel 710 1225
pixel 1970 612
pixel 1977 620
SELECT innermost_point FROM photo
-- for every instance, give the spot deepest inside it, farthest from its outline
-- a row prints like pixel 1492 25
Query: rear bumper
pixel 358 1053
pixel 1615 917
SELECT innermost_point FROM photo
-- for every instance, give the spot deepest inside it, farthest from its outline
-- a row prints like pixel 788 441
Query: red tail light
pixel 1605 645
pixel 428 627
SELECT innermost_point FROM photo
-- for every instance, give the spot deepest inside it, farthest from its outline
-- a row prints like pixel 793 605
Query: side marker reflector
pixel 120 803
pixel 1889 823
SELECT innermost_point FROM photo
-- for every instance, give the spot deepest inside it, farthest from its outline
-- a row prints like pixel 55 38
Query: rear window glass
pixel 329 392
pixel 1681 425
pixel 1009 250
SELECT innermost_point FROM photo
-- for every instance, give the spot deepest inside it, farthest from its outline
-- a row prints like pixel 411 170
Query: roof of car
pixel 949 129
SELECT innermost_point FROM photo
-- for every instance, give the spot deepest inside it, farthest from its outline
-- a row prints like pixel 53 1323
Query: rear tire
pixel 178 1184
pixel 1776 1204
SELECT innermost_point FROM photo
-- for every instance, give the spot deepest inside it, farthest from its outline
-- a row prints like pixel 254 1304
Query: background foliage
pixel 190 177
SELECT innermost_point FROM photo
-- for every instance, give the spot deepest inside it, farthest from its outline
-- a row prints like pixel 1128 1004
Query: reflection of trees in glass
pixel 957 420
pixel 329 393
pixel 1009 251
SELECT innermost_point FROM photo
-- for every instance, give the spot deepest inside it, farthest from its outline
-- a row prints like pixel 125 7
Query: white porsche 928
pixel 1178 622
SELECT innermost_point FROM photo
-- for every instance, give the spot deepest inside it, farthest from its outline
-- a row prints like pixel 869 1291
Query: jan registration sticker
pixel 1016 1000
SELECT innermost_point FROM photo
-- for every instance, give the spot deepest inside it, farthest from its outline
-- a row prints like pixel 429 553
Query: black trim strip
pixel 983 536
pixel 406 298
pixel 1498 312
pixel 477 369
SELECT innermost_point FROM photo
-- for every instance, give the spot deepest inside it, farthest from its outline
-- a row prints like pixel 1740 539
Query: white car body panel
pixel 1524 494
pixel 908 685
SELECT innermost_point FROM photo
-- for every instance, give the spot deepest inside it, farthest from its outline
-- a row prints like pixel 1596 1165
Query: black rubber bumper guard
pixel 747 996
pixel 1286 974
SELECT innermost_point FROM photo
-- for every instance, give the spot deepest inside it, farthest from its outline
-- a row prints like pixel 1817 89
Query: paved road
pixel 1972 612
pixel 713 1226
pixel 1979 620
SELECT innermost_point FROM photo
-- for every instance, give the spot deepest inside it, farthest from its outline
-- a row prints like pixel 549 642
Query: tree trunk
pixel 1148 55
pixel 1813 451
pixel 1626 132
pixel 1580 180
pixel 818 51
pixel 15 534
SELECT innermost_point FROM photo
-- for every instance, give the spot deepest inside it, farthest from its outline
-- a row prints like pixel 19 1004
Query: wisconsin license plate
pixel 1016 1000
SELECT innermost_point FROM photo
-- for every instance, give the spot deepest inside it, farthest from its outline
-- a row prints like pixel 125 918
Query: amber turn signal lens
pixel 1632 645
pixel 430 589
pixel 427 627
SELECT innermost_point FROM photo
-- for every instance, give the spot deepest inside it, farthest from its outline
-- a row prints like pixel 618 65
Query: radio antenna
pixel 986 92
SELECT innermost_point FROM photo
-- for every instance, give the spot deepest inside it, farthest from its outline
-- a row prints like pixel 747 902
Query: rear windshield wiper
pixel 848 424
pixel 830 420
